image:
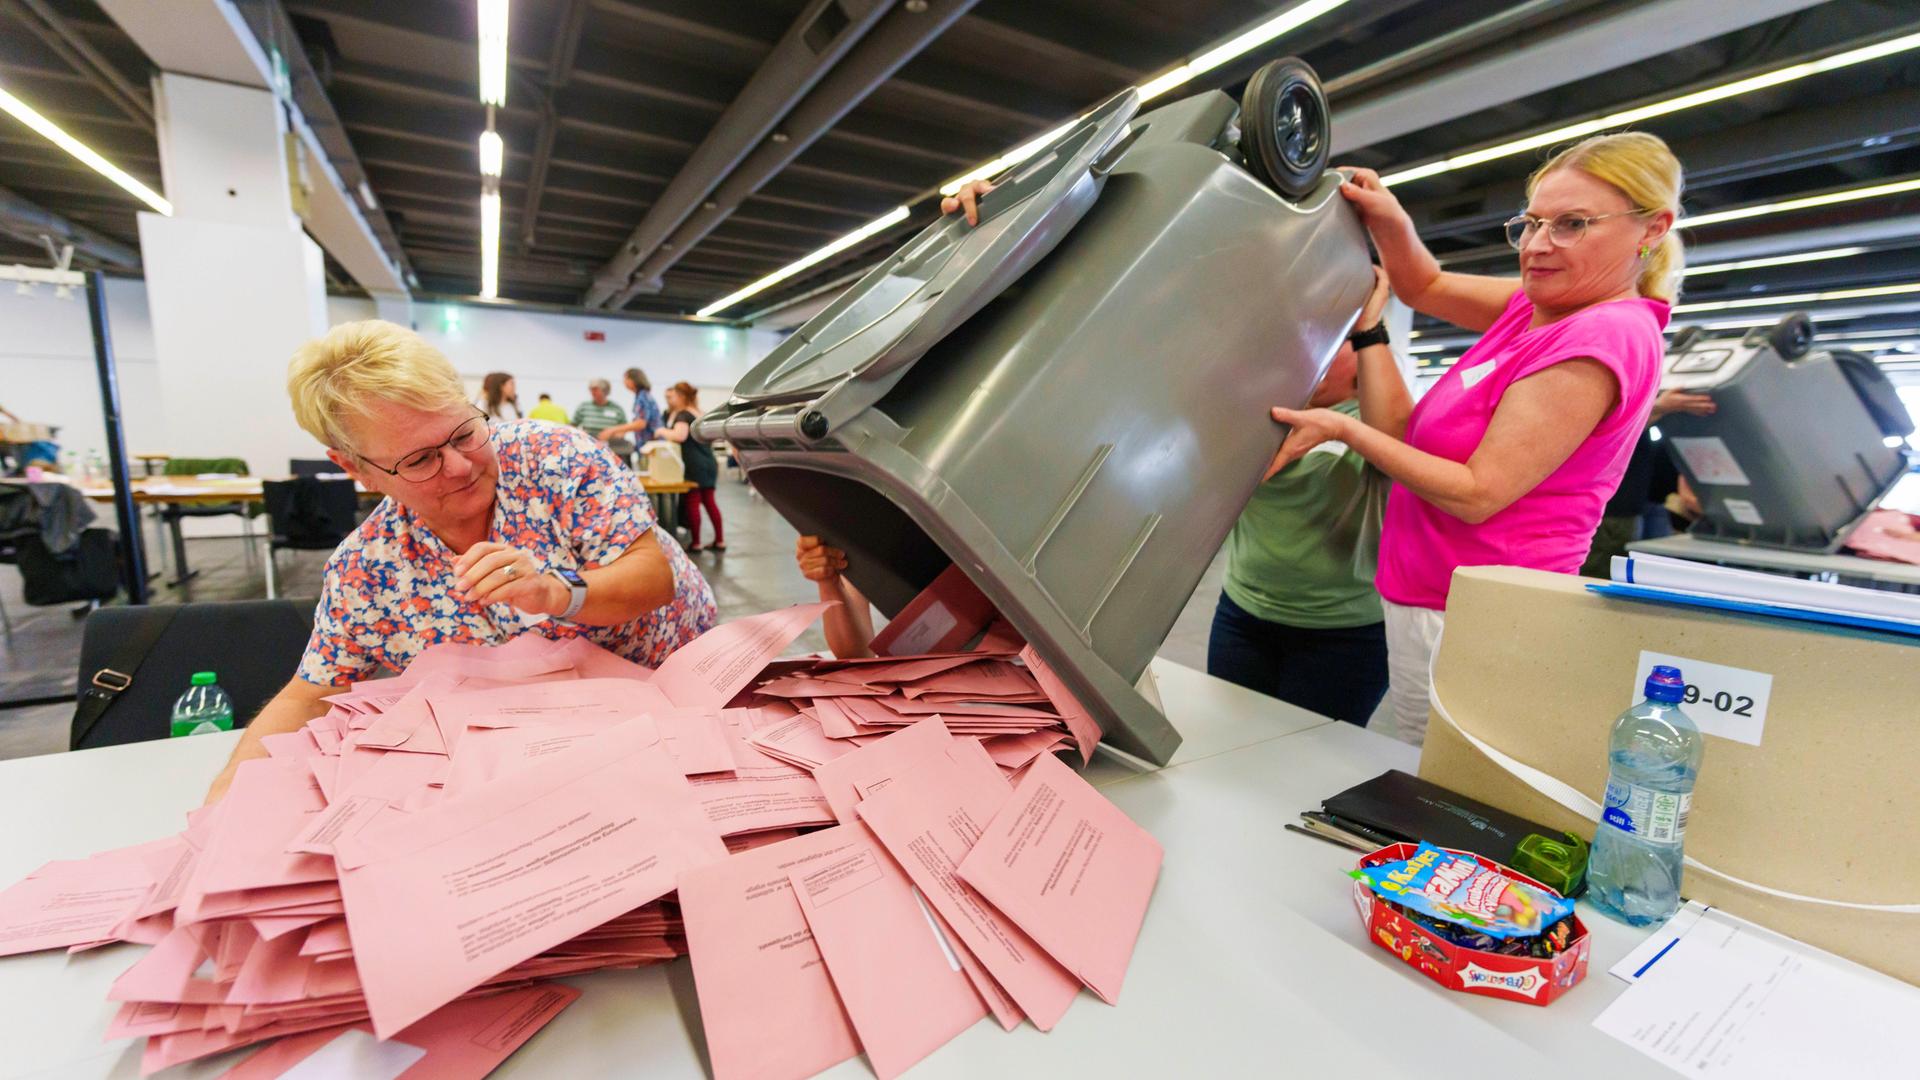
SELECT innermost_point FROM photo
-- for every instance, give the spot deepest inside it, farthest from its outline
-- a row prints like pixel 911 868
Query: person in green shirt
pixel 599 414
pixel 1298 617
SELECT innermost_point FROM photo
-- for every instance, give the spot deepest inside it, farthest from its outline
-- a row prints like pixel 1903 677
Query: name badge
pixel 1472 376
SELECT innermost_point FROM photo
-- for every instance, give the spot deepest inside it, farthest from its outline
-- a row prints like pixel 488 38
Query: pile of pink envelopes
pixel 399 876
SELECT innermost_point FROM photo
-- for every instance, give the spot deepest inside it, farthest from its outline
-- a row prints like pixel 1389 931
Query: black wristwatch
pixel 1375 335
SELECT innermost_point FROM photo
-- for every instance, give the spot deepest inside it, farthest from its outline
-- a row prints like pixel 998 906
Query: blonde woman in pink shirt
pixel 1511 456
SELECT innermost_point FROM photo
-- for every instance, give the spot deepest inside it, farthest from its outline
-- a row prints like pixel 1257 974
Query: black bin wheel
pixel 1284 126
pixel 1792 336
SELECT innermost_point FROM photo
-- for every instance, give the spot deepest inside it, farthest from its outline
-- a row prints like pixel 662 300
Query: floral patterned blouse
pixel 564 499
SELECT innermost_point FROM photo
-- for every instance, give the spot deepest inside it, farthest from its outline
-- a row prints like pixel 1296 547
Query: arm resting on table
pixel 296 703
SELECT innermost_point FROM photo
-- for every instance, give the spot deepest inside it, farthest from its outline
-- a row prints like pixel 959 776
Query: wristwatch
pixel 1374 335
pixel 572 580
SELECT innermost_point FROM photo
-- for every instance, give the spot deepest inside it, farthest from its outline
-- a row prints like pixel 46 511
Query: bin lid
pixel 901 308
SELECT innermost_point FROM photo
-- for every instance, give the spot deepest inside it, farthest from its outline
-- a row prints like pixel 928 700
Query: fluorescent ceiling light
pixel 1425 348
pixel 1774 260
pixel 26 114
pixel 877 225
pixel 1626 117
pixel 490 244
pixel 493 153
pixel 1869 335
pixel 1871 191
pixel 366 197
pixel 493 52
pixel 1802 298
pixel 1009 159
pixel 1247 41
pixel 1234 47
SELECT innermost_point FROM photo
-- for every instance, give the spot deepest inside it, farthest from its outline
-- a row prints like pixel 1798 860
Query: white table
pixel 1252 961
pixel 1849 569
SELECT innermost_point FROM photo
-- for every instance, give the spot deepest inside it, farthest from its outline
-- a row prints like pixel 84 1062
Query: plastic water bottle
pixel 1654 757
pixel 203 708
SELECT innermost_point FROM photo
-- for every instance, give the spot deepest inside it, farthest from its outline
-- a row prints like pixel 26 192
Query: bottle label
pixel 1658 817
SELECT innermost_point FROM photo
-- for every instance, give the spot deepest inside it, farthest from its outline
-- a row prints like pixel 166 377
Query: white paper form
pixel 1730 1000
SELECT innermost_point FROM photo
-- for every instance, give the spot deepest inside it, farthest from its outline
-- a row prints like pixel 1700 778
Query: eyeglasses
pixel 423 465
pixel 1565 230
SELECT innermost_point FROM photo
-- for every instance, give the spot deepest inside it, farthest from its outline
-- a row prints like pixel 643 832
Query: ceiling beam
pixel 818 38
pixel 29 221
pixel 1510 72
pixel 897 39
pixel 67 43
pixel 566 46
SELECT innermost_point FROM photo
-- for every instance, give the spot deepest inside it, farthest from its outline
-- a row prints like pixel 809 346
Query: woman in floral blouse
pixel 490 529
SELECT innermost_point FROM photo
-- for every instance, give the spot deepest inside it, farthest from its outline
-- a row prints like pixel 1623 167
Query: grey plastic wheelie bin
pixel 1070 401
pixel 1795 453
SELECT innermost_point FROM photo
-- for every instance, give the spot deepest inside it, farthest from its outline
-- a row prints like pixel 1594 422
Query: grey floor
pixel 40 657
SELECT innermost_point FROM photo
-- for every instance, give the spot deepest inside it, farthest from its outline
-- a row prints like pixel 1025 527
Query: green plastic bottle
pixel 203 708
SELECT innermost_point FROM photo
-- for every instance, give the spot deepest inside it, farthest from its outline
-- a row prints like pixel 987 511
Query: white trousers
pixel 1412 634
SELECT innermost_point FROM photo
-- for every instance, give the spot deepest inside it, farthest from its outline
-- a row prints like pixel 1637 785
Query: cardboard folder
pixel 1823 806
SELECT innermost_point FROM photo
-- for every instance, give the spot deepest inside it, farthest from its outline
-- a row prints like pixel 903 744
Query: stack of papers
pixel 392 885
pixel 1660 579
pixel 1003 694
pixel 1716 996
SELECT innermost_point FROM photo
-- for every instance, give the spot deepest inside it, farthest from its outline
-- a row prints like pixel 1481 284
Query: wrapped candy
pixel 1458 889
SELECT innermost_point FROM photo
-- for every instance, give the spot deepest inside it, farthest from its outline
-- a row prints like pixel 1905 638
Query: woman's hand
pixel 1376 205
pixel 1376 304
pixel 818 562
pixel 1673 401
pixel 1311 427
pixel 491 573
pixel 967 199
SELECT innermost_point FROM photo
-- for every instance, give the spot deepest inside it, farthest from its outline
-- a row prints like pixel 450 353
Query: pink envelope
pixel 842 779
pixel 485 881
pixel 769 1009
pixel 801 741
pixel 1069 869
pixel 929 819
pixel 946 615
pixel 878 670
pixel 268 805
pixel 760 793
pixel 464 1040
pixel 539 703
pixel 1085 729
pixel 72 903
pixel 896 973
pixel 709 670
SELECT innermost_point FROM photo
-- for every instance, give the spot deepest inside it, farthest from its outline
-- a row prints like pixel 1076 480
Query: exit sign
pixel 596 335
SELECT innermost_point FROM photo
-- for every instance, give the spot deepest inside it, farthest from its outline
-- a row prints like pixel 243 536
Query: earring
pixel 1643 251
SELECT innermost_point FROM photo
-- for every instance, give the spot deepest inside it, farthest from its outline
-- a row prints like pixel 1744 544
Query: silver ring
pixel 509 571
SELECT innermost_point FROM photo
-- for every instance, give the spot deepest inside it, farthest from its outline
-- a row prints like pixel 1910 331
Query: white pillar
pixel 394 307
pixel 233 284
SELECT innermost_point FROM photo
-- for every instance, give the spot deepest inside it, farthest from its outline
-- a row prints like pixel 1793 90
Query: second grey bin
pixel 1070 401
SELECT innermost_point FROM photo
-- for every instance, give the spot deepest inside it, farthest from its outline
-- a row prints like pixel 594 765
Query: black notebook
pixel 1404 806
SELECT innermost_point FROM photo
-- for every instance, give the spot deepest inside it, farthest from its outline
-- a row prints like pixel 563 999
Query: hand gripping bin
pixel 1795 452
pixel 1070 400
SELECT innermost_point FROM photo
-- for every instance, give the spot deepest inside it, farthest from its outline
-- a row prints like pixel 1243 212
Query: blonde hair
pixel 340 374
pixel 1647 173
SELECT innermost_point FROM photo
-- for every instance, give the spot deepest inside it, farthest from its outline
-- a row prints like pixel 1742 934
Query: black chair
pixel 138 660
pixel 184 469
pixel 302 466
pixel 307 514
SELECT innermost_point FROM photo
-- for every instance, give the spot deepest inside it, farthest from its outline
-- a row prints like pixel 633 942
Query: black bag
pixel 134 661
pixel 90 570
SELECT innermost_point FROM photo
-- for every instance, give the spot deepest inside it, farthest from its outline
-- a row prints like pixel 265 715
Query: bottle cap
pixel 1664 684
pixel 203 678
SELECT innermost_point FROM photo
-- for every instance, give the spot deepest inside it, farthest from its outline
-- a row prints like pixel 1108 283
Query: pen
pixel 1327 838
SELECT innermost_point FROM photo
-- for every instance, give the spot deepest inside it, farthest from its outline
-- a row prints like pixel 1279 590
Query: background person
pixel 1510 457
pixel 481 526
pixel 597 415
pixel 849 627
pixel 1637 510
pixel 683 408
pixel 646 411
pixel 498 394
pixel 545 409
pixel 1298 617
